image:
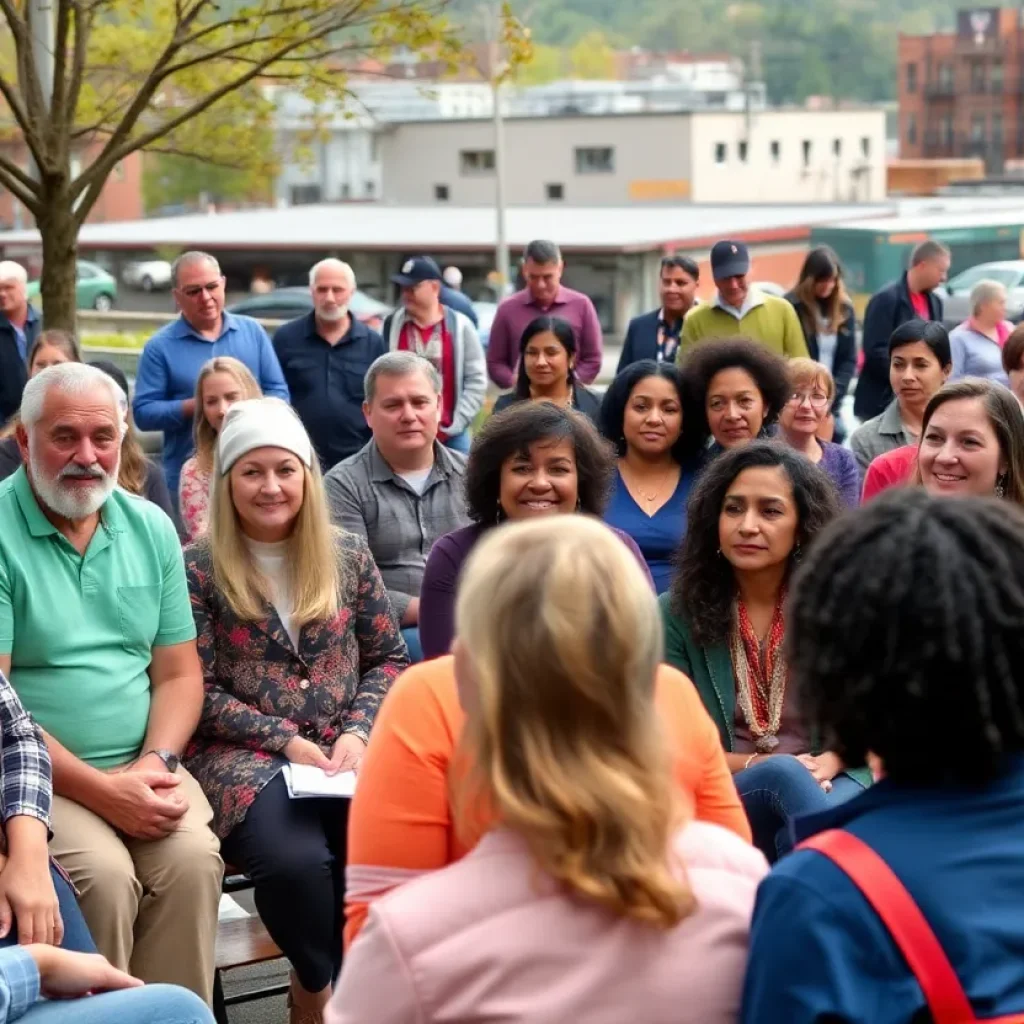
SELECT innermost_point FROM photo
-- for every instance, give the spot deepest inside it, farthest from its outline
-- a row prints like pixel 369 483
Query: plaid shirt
pixel 26 776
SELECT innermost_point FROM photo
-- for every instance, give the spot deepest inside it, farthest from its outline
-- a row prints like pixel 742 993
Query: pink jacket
pixel 489 939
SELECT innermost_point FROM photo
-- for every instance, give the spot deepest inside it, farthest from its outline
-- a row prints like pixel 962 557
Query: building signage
pixel 978 25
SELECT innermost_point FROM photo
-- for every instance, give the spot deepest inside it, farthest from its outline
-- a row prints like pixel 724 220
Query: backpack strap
pixel 878 884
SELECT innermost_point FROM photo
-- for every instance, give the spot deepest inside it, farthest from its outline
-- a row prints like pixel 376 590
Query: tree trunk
pixel 60 248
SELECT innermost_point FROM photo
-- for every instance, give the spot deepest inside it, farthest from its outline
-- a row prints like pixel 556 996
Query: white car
pixel 149 275
pixel 956 294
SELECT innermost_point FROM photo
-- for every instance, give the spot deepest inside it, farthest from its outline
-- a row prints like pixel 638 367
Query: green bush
pixel 126 339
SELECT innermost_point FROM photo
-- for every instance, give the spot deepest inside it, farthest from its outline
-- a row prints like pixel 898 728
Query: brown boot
pixel 306 1007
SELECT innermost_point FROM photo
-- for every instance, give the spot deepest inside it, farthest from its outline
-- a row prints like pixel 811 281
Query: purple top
pixel 516 313
pixel 440 581
pixel 841 465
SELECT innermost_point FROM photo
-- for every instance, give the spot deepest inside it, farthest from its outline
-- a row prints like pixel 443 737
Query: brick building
pixel 961 94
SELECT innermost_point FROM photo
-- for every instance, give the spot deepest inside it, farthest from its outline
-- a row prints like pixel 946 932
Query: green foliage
pixel 592 57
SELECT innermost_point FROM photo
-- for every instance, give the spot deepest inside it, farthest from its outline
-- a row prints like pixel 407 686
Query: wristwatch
pixel 169 758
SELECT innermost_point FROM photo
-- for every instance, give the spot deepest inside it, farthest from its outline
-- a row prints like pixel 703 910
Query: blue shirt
pixel 170 366
pixel 326 383
pixel 19 983
pixel 819 952
pixel 656 536
pixel 976 355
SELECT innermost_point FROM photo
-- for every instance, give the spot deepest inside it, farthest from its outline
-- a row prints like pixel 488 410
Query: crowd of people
pixel 718 731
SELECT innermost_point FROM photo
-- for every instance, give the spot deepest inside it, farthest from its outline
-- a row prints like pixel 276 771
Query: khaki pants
pixel 151 906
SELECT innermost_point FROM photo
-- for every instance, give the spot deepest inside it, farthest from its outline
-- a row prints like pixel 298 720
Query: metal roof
pixel 996 213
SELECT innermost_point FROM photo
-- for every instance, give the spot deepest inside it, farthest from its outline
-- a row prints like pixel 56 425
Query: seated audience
pixel 404 490
pixel 972 443
pixel 738 388
pixel 976 346
pixel 534 459
pixel 642 416
pixel 49 349
pixel 43 985
pixel 752 515
pixel 812 390
pixel 613 902
pixel 887 662
pixel 113 678
pixel 299 646
pixel 889 470
pixel 1013 362
pixel 919 363
pixel 37 901
pixel 222 381
pixel 547 370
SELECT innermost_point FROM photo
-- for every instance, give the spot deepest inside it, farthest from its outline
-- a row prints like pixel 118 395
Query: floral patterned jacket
pixel 194 499
pixel 260 691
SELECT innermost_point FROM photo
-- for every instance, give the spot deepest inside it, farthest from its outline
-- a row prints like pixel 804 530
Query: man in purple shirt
pixel 544 295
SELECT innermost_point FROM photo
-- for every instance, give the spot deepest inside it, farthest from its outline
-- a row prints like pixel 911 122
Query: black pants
pixel 294 852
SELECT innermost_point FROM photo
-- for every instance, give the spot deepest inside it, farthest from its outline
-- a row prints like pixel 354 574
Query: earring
pixel 1000 489
pixel 499 512
pixel 579 504
pixel 798 552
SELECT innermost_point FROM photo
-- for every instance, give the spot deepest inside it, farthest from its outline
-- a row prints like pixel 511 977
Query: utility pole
pixel 501 242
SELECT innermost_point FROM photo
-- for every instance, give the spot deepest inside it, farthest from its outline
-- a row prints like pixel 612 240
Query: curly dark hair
pixel 717 354
pixel 616 398
pixel 512 432
pixel 906 635
pixel 704 585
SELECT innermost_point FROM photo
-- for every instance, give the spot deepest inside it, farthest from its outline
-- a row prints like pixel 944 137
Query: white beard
pixel 69 504
pixel 333 316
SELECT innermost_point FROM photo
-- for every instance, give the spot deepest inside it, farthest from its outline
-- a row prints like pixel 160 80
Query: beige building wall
pixel 797 156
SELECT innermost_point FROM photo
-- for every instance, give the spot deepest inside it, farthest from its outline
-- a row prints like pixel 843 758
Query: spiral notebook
pixel 306 780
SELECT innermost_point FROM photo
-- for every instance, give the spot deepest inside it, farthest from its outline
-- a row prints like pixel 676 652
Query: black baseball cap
pixel 729 259
pixel 419 268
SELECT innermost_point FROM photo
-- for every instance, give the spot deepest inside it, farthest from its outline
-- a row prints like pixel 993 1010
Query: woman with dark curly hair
pixel 924 678
pixel 534 459
pixel 738 388
pixel 642 415
pixel 751 516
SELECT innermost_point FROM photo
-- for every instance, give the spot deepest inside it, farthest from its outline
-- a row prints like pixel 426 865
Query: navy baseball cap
pixel 729 259
pixel 419 268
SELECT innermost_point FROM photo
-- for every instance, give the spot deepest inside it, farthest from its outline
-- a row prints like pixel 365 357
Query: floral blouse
pixel 260 691
pixel 194 500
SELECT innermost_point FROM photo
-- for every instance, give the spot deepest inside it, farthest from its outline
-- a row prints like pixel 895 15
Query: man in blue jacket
pixel 19 328
pixel 913 295
pixel 166 381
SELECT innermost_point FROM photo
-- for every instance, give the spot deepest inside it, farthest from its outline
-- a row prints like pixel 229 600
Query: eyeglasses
pixel 817 399
pixel 195 291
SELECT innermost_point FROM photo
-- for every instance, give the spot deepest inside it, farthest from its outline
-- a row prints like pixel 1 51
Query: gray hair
pixel 186 259
pixel 452 277
pixel 11 271
pixel 399 364
pixel 540 250
pixel 928 250
pixel 986 291
pixel 333 264
pixel 67 379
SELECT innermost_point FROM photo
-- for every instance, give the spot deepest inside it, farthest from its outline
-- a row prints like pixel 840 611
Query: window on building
pixel 837 147
pixel 476 161
pixel 595 160
pixel 776 150
pixel 996 77
pixel 441 193
pixel 911 130
pixel 865 146
pixel 977 128
pixel 303 195
pixel 946 76
pixel 911 78
pixel 721 152
pixel 371 187
pixel 977 76
pixel 946 129
pixel 806 145
pixel 556 190
pixel 997 129
pixel 741 151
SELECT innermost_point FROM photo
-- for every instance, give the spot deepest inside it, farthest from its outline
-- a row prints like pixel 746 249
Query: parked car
pixel 147 275
pixel 485 312
pixel 292 302
pixel 94 287
pixel 770 288
pixel 956 295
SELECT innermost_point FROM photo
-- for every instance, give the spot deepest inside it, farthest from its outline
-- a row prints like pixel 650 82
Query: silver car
pixel 956 294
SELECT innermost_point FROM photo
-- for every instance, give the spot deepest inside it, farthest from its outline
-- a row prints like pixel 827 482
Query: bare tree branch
pixel 60 69
pixel 19 184
pixel 83 30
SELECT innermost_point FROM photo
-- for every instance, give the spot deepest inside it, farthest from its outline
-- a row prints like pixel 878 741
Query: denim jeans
pixel 460 442
pixel 780 789
pixel 411 636
pixel 76 931
pixel 153 1004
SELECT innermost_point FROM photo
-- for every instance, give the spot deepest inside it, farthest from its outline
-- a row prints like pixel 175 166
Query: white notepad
pixel 305 780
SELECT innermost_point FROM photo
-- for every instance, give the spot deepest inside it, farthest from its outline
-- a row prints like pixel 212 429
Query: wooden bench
pixel 241 943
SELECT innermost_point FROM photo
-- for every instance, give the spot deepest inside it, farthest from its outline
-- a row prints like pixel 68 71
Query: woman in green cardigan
pixel 751 515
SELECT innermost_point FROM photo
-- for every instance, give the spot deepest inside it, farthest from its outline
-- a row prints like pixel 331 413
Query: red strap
pixel 906 924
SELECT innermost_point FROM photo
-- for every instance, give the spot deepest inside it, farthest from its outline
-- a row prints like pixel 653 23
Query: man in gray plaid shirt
pixel 404 489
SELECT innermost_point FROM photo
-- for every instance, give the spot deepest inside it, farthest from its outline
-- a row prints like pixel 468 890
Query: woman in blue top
pixel 906 641
pixel 642 415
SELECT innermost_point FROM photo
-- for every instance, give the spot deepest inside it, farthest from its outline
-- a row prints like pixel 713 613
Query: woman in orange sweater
pixel 401 821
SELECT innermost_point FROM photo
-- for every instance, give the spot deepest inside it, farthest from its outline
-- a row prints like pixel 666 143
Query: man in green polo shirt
pixel 97 638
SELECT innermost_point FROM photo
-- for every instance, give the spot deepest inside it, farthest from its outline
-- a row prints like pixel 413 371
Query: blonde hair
pixel 204 435
pixel 806 371
pixel 564 743
pixel 312 559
